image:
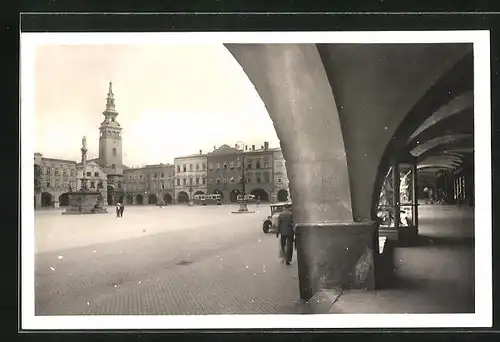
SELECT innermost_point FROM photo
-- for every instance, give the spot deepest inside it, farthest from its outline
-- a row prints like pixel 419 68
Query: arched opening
pixel 234 195
pixel 130 199
pixel 167 198
pixel 139 199
pixel 218 192
pixel 47 199
pixel 183 197
pixel 282 195
pixel 64 200
pixel 111 199
pixel 199 193
pixel 260 194
pixel 152 199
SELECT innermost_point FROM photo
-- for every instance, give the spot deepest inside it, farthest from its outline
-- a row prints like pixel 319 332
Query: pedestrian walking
pixel 287 232
pixel 118 210
pixel 122 208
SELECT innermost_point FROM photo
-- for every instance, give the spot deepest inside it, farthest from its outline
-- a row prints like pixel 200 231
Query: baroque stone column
pixel 332 250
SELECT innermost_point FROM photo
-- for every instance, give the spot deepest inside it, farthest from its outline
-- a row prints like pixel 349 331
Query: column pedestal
pixel 336 255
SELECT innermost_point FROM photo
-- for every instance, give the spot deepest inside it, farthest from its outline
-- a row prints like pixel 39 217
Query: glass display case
pixel 398 206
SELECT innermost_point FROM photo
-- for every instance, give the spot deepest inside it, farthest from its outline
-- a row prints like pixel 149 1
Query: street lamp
pixel 190 189
pixel 243 201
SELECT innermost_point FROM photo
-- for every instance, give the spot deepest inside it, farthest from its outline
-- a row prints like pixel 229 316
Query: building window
pixel 257 164
pixel 231 165
pixel 279 180
pixel 178 182
pixel 96 174
pixel 57 183
pixel 184 181
pixel 178 168
pixel 203 167
pixel 92 185
pixel 266 162
pixel 197 167
pixel 203 180
pixel 210 167
pixel 266 177
pixel 129 176
pixel 99 185
pixel 113 166
pixel 217 181
pixel 238 165
pixel 114 152
pixel 197 179
pixel 119 185
pixel 225 165
pixel 190 167
pixel 225 180
pixel 162 175
pixel 140 176
pixel 190 181
pixel 57 172
pixel 218 166
pixel 249 163
pixel 48 184
pixel 163 185
pixel 89 174
pixel 184 168
pixel 257 177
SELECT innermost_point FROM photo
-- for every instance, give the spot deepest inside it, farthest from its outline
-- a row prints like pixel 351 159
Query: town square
pixel 257 179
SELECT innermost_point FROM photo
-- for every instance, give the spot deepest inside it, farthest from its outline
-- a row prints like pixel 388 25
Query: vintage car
pixel 271 221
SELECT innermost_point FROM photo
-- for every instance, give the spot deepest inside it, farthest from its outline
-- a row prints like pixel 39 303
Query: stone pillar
pixel 332 250
pixel 56 203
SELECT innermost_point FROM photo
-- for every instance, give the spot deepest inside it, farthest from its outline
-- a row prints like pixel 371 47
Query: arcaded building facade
pixel 150 184
pixel 190 176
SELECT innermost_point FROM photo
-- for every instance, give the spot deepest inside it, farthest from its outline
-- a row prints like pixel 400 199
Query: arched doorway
pixel 167 198
pixel 130 199
pixel 261 194
pixel 152 199
pixel 110 195
pixel 199 193
pixel 139 199
pixel 234 195
pixel 218 192
pixel 47 199
pixel 282 195
pixel 183 197
pixel 64 200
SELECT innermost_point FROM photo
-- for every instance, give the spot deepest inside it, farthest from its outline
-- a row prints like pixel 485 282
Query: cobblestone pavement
pixel 197 260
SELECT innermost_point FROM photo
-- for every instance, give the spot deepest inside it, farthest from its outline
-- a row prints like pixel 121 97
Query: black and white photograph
pixel 218 180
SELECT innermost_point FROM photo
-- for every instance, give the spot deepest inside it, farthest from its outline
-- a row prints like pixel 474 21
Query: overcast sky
pixel 172 100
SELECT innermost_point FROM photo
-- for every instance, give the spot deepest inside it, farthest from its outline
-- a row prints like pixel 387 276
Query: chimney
pixel 246 147
pixel 261 147
pixel 201 152
pixel 266 145
pixel 253 147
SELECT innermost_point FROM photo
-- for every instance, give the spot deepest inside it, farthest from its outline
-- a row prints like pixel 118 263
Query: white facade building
pixel 190 176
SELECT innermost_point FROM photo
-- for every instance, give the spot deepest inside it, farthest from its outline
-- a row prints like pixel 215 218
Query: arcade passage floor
pixel 171 260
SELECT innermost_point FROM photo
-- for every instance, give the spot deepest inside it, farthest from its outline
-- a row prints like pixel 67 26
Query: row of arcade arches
pixel 47 199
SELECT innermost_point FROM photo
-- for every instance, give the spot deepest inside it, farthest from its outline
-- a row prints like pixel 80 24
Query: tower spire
pixel 110 101
pixel 110 92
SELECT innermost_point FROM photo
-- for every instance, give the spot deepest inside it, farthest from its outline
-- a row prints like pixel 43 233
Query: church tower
pixel 110 138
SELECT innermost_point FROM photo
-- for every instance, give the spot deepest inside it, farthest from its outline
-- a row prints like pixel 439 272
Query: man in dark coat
pixel 286 230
